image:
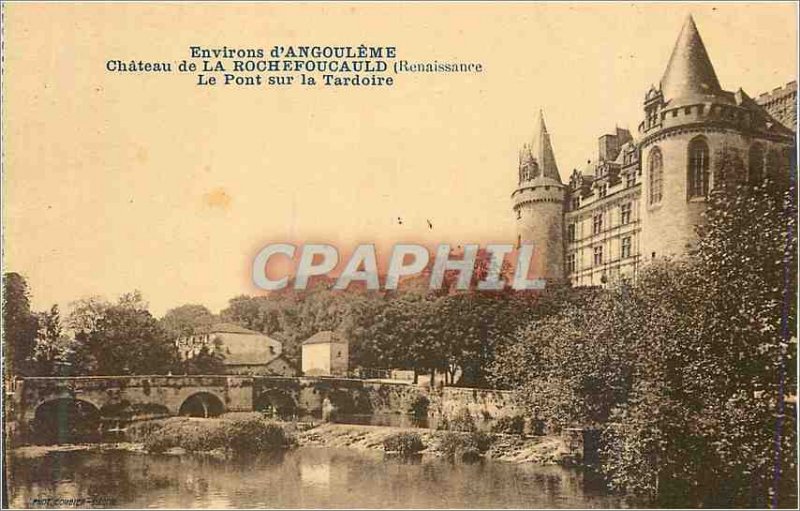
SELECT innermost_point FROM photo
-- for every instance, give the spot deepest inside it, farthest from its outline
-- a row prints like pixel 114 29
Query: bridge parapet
pixel 235 393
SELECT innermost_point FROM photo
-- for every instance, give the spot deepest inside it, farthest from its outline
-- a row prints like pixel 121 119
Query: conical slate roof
pixel 543 151
pixel 689 74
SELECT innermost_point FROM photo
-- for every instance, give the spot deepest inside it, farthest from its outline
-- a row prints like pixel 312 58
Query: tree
pixel 209 360
pixel 688 370
pixel 186 320
pixel 52 345
pixel 19 325
pixel 119 339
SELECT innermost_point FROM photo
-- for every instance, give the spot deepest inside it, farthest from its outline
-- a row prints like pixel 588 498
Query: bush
pixel 462 421
pixel 244 433
pixel 404 443
pixel 254 434
pixel 509 424
pixel 464 446
pixel 418 407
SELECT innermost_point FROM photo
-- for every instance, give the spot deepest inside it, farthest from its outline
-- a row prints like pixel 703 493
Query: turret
pixel 538 204
pixel 692 127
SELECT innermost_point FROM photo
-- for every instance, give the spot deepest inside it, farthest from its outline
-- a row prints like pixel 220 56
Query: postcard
pixel 386 255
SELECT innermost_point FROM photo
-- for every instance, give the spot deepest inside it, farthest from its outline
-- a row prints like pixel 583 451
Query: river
pixel 305 477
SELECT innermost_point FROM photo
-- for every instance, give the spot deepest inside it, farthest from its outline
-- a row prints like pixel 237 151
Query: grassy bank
pixel 239 432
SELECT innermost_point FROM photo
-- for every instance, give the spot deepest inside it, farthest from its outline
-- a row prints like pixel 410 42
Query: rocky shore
pixel 545 450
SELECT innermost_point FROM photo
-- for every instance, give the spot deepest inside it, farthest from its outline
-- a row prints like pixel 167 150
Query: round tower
pixel 695 137
pixel 538 204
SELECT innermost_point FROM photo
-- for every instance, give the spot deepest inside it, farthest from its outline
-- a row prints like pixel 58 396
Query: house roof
pixel 248 348
pixel 325 337
pixel 282 358
pixel 229 328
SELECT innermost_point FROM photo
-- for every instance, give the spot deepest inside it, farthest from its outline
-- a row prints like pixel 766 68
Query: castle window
pixel 656 167
pixel 688 110
pixel 519 213
pixel 576 203
pixel 603 190
pixel 625 213
pixel 571 232
pixel 571 263
pixel 625 248
pixel 755 167
pixel 598 255
pixel 630 180
pixel 698 168
pixel 597 223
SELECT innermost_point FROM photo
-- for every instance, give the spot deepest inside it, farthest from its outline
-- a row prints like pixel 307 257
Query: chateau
pixel 644 194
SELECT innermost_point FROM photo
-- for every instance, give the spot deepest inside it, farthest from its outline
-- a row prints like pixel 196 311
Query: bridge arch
pixel 65 420
pixel 202 404
pixel 277 402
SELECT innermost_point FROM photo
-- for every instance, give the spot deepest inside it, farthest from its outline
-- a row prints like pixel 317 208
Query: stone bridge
pixel 51 402
pixel 53 405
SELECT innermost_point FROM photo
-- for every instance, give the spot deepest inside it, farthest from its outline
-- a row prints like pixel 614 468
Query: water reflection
pixel 301 478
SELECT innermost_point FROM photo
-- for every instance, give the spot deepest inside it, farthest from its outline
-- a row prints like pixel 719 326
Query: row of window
pixel 698 165
pixel 625 251
pixel 625 215
pixel 602 190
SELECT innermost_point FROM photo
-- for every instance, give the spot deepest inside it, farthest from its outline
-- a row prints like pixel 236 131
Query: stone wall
pixel 481 403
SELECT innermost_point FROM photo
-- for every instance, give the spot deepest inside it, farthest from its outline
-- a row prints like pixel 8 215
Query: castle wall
pixel 669 227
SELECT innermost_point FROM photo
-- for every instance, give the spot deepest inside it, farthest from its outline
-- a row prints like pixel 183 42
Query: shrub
pixel 462 421
pixel 418 407
pixel 509 424
pixel 464 446
pixel 404 443
pixel 243 433
pixel 254 434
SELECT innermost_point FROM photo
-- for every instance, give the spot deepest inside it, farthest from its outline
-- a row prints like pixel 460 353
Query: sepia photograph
pixel 399 255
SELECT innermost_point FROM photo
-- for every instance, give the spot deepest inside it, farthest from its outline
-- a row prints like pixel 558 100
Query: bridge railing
pixel 368 373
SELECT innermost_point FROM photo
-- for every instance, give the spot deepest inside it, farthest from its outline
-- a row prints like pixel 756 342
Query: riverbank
pixel 541 450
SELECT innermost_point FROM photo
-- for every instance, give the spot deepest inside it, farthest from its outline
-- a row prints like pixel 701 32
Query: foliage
pixel 53 345
pixel 463 446
pixel 209 360
pixel 686 371
pixel 403 442
pixel 239 434
pixel 418 406
pixel 122 338
pixel 509 424
pixel 20 325
pixel 461 421
pixel 186 320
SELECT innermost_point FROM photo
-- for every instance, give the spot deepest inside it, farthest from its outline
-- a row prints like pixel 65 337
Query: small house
pixel 244 351
pixel 325 354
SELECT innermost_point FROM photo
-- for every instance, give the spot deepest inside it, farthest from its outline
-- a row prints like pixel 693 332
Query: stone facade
pixel 643 198
pixel 781 104
pixel 244 351
pixel 325 354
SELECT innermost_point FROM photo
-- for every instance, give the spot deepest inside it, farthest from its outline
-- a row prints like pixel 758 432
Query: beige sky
pixel 116 182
